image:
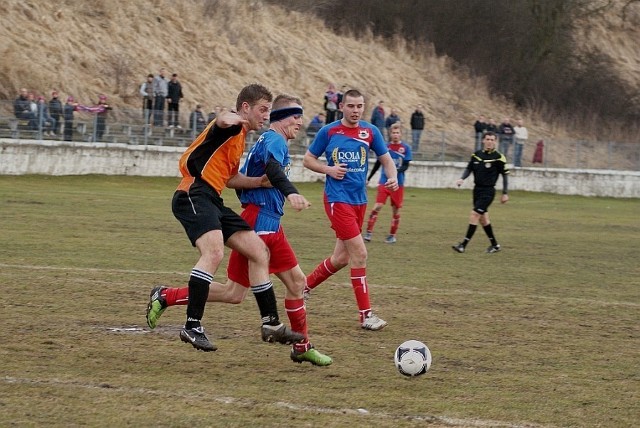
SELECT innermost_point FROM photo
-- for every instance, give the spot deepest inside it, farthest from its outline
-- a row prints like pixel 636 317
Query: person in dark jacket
pixel 390 120
pixel 173 100
pixel 507 136
pixel 486 165
pixel 196 120
pixel 55 110
pixel 377 116
pixel 22 108
pixel 67 113
pixel 480 127
pixel 417 126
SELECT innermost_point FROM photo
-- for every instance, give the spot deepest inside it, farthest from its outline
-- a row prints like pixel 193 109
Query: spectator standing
pixel 480 127
pixel 212 115
pixel 46 123
pixel 346 145
pixel 521 135
pixel 67 112
pixel 401 154
pixel 174 91
pixel 196 120
pixel 146 92
pixel 491 127
pixel 55 110
pixel 377 117
pixel 331 103
pixel 506 136
pixel 339 114
pixel 316 123
pixel 390 120
pixel 486 165
pixel 160 92
pixel 417 126
pixel 101 116
pixel 100 110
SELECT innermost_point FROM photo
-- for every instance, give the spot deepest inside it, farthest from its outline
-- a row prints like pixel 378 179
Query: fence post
pixel 95 129
pixel 40 122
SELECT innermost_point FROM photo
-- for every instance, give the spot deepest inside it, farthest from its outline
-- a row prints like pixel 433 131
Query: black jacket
pixel 174 91
pixel 417 120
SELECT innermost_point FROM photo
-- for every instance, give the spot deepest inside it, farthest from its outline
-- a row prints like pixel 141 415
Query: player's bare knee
pixel 340 260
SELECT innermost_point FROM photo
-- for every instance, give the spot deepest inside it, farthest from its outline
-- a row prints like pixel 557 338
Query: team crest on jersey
pixel 401 150
pixel 363 134
pixel 334 156
pixel 487 165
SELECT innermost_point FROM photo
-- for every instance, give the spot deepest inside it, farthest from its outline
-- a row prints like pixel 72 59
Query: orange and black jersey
pixel 214 157
pixel 486 167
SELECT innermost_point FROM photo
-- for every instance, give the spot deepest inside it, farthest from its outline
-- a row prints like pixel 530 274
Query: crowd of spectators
pixel 53 118
pixel 508 136
pixel 49 116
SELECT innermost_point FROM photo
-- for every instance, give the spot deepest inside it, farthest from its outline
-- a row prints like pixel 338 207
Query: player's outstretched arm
pixel 241 181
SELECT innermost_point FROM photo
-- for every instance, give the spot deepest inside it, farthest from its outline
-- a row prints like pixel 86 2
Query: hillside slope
pixel 87 48
pixel 92 47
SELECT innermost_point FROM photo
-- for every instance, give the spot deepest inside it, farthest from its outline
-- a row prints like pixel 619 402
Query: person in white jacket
pixel 522 135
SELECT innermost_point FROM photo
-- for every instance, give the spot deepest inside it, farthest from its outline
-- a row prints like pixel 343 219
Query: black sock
pixel 489 231
pixel 470 231
pixel 198 293
pixel 266 300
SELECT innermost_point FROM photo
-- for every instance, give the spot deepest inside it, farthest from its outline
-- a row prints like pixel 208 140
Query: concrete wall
pixel 18 157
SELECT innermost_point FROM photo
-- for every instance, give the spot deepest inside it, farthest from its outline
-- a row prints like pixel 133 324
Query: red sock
pixel 395 222
pixel 323 271
pixel 176 296
pixel 361 290
pixel 297 314
pixel 372 221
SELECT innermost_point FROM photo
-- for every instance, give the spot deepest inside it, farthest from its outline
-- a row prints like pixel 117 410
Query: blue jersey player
pixel 346 144
pixel 401 154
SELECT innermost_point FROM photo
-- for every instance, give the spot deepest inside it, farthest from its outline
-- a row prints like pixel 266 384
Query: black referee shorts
pixel 482 198
pixel 201 210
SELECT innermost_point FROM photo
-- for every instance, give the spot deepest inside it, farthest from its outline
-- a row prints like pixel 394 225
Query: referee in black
pixel 486 165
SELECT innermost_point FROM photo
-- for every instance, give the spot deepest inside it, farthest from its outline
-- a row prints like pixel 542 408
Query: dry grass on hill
pixel 92 47
pixel 83 48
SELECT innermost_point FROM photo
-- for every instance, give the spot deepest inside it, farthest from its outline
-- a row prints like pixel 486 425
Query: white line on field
pixel 447 421
pixel 85 269
pixel 399 287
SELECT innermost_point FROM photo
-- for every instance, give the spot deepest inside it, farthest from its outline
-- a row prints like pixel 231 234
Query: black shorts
pixel 202 210
pixel 482 198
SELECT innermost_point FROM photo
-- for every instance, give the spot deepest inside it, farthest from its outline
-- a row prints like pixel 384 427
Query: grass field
pixel 545 333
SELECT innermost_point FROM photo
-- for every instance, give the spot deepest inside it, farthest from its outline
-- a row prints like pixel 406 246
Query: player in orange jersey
pixel 209 164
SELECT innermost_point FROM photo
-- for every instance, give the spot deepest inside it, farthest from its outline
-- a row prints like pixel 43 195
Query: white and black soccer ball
pixel 412 358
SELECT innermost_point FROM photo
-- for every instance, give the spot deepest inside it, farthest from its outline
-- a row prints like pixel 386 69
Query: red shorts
pixel 396 196
pixel 282 256
pixel 346 220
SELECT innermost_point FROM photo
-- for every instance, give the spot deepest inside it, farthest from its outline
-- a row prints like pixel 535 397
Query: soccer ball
pixel 412 358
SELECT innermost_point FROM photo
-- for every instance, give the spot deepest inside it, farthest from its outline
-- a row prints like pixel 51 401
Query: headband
pixel 284 113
